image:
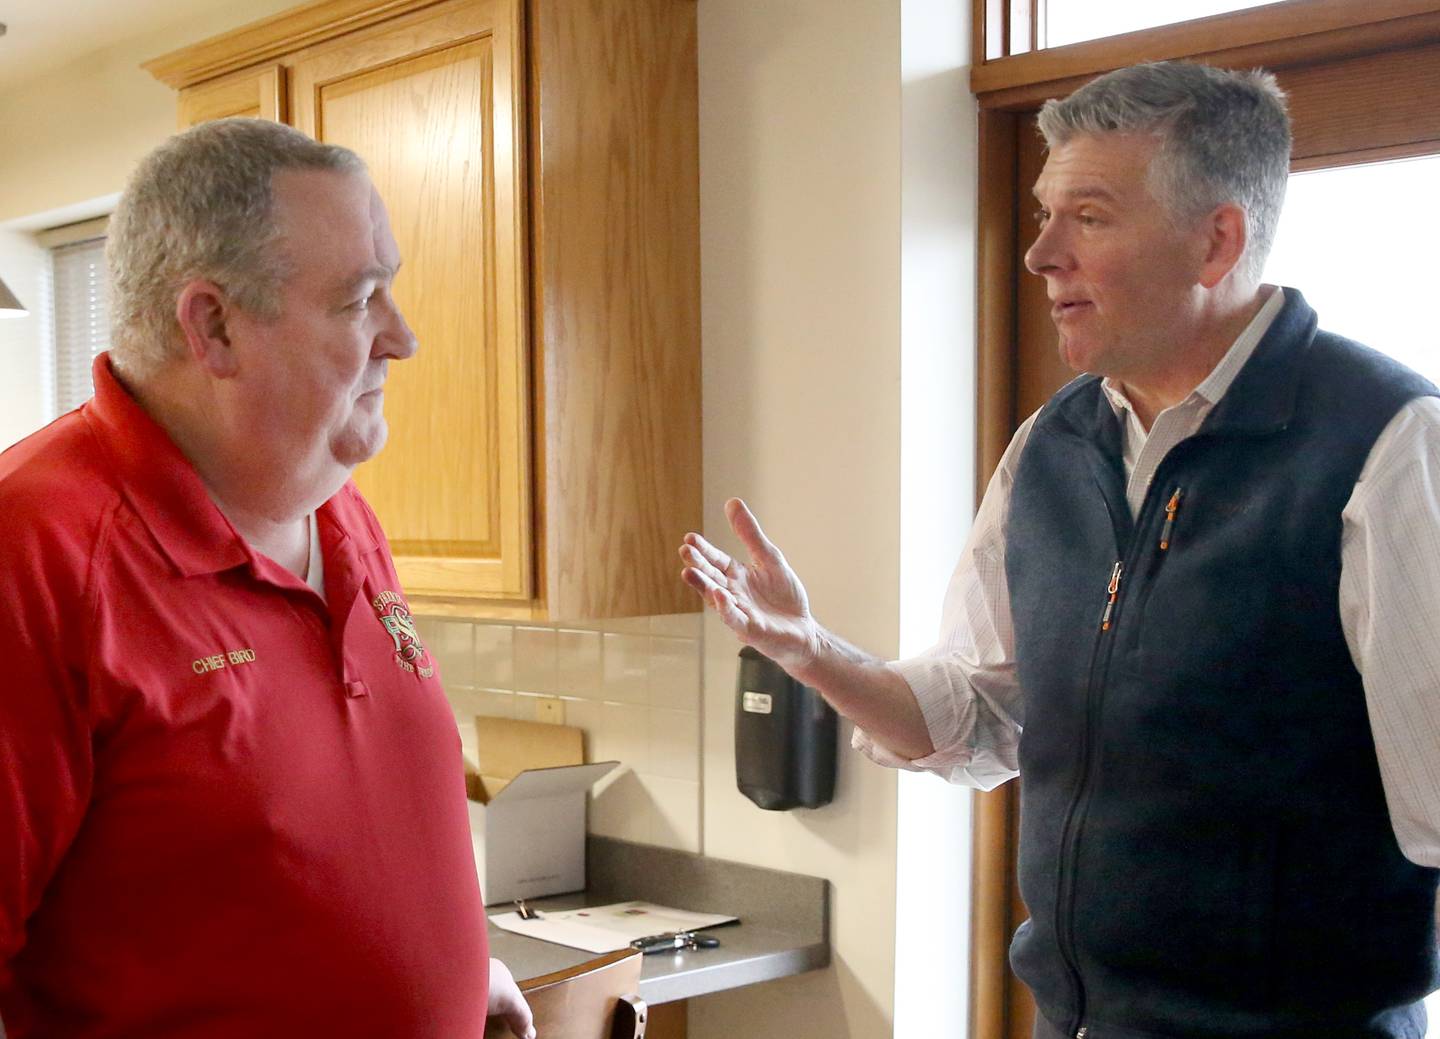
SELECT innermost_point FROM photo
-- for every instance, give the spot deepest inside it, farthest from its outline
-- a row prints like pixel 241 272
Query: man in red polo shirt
pixel 231 793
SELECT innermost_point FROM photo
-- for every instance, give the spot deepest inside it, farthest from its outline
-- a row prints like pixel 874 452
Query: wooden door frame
pixel 1338 61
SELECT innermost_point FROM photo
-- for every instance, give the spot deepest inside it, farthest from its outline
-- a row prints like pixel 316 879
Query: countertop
pixel 783 928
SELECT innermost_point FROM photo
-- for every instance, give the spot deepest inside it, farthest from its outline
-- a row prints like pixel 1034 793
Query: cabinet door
pixel 259 93
pixel 431 101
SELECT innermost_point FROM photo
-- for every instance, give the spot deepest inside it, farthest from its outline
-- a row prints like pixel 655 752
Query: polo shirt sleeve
pixel 46 762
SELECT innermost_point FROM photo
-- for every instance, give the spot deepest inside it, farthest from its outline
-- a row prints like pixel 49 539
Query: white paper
pixel 607 928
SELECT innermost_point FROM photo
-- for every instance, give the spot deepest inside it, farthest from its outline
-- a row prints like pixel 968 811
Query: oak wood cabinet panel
pixel 258 93
pixel 540 162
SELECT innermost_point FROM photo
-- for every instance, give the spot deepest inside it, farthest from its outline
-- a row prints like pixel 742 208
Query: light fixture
pixel 9 305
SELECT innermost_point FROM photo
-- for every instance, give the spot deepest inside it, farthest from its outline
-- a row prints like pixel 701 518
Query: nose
pixel 1047 253
pixel 395 338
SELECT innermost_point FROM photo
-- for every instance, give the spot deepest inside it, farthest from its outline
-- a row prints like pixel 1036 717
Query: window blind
pixel 82 318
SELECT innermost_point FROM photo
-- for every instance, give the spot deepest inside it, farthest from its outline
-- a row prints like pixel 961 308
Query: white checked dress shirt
pixel 967 686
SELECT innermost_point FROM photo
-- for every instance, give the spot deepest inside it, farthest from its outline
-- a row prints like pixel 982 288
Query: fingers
pixel 694 558
pixel 719 560
pixel 747 528
pixel 719 599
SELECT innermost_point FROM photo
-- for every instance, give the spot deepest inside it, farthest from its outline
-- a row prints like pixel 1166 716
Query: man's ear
pixel 1225 238
pixel 204 313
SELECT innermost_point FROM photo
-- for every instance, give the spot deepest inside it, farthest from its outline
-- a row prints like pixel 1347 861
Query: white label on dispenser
pixel 756 703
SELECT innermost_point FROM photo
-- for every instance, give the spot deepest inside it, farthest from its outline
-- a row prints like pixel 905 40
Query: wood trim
pixel 996 264
pixel 272 38
pixel 996 291
pixel 578 970
pixel 1365 156
pixel 990 916
pixel 1275 36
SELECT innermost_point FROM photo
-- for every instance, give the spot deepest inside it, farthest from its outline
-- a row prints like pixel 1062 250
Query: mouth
pixel 1066 309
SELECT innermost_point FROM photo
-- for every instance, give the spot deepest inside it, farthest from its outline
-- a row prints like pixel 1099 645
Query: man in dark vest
pixel 1197 611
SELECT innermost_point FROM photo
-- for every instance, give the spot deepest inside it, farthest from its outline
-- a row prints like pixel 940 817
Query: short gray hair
pixel 1223 137
pixel 201 206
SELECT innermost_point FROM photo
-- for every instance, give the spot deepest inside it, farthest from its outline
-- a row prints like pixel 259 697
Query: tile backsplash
pixel 633 686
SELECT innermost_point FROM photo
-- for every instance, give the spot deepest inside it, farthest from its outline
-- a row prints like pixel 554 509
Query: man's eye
pixel 1042 217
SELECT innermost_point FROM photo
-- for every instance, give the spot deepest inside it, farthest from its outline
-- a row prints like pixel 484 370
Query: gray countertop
pixel 783 928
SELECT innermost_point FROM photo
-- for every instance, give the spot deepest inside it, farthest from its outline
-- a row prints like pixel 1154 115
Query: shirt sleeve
pixel 966 683
pixel 46 764
pixel 1390 611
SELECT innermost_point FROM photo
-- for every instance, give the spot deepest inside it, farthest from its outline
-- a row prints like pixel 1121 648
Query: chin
pixel 354 446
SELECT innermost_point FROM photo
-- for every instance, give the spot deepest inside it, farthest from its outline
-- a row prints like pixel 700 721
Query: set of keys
pixel 674 941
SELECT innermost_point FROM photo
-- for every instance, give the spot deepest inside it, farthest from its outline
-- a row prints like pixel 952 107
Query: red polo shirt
pixel 227 807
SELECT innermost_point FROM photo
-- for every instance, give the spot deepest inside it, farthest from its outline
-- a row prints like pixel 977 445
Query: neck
pixel 1216 324
pixel 256 492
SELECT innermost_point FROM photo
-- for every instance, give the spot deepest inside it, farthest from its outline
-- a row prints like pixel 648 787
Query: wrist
pixel 806 668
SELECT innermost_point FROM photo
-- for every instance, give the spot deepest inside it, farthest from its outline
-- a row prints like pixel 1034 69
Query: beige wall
pixel 71 137
pixel 86 124
pixel 800 122
pixel 23 387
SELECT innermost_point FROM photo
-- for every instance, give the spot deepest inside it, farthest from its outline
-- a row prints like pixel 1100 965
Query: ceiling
pixel 47 34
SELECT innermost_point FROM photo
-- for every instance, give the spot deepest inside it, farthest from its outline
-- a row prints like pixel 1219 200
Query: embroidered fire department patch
pixel 410 653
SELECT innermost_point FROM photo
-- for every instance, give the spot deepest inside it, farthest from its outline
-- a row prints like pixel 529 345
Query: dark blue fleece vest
pixel 1205 848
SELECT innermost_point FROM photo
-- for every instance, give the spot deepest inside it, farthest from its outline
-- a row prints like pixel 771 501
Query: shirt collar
pixel 1215 385
pixel 159 483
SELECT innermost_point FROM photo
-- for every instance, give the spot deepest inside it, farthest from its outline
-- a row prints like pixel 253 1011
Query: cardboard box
pixel 527 808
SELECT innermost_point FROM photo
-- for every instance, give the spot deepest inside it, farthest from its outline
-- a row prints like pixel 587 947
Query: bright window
pixel 82 319
pixel 1071 21
pixel 1358 241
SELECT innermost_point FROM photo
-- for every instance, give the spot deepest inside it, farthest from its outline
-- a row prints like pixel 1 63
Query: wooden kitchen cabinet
pixel 540 164
pixel 258 93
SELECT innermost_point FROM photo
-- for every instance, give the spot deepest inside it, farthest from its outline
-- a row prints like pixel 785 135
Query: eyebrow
pixel 1083 194
pixel 375 272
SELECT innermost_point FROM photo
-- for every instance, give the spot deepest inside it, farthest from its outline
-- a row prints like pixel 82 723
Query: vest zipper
pixel 1079 805
pixel 1070 833
pixel 1114 592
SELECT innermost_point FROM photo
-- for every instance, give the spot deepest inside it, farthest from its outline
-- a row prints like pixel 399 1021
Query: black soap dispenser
pixel 785 737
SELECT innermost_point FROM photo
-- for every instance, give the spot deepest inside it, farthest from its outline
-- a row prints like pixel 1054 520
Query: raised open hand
pixel 762 601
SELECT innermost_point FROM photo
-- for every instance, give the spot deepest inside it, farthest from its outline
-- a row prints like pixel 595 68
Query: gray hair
pixel 201 206
pixel 1223 137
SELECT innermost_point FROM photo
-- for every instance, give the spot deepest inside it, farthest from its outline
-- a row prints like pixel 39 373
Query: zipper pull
pixel 1082 1032
pixel 1114 591
pixel 1171 507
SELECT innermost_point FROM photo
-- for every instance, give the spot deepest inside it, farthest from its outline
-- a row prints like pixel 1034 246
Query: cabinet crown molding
pixel 273 37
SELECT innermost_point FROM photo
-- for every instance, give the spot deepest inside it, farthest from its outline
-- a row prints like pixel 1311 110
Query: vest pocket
pixel 1178 911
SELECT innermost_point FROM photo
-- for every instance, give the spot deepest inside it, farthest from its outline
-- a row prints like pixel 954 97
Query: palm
pixel 762 600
